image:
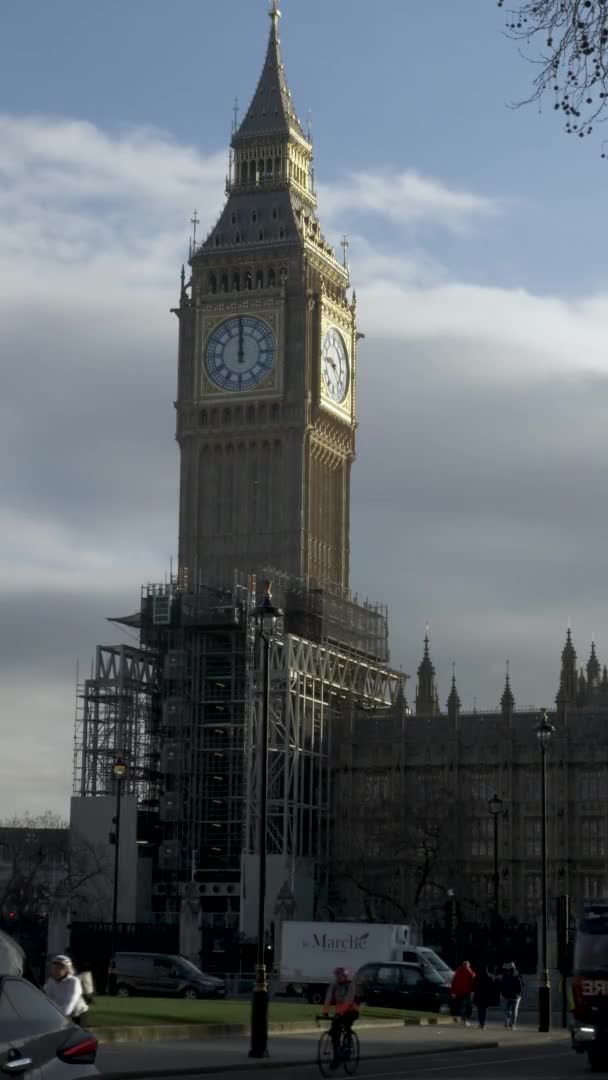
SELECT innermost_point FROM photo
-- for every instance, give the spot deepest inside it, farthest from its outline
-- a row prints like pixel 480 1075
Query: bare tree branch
pixel 39 861
pixel 569 39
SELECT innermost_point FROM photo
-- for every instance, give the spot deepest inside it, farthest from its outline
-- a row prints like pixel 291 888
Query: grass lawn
pixel 120 1012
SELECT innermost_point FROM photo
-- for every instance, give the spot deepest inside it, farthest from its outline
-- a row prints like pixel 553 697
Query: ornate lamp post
pixel 495 806
pixel 266 616
pixel 544 732
pixel 119 770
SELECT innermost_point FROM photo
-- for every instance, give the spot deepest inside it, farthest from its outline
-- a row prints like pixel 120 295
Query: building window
pixel 482 837
pixel 237 238
pixel 482 787
pixel 482 888
pixel 234 219
pixel 236 281
pixel 592 837
pixel 532 837
pixel 275 412
pixel 260 234
pixel 259 280
pixel 591 782
pixel 593 886
pixel 533 892
pixel 281 233
pixel 271 279
pixel 275 213
pixel 375 787
pixel 254 216
pixel 204 418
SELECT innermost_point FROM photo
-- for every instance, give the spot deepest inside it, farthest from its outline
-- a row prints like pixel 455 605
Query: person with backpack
pixel 511 988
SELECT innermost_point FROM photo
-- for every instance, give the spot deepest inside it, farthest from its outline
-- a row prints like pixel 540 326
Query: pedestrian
pixel 462 990
pixel 511 988
pixel 484 994
pixel 64 989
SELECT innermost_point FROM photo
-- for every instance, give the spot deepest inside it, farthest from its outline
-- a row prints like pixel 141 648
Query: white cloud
pixel 482 417
pixel 404 198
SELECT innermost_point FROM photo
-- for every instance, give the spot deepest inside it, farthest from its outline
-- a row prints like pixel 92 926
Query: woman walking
pixel 64 989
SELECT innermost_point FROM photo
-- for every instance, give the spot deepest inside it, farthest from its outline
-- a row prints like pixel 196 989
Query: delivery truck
pixel 310 952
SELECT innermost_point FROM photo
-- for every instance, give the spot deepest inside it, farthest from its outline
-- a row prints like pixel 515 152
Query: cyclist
pixel 342 995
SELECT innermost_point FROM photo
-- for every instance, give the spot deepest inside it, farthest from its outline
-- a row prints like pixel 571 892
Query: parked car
pixel 403 986
pixel 421 954
pixel 36 1040
pixel 161 975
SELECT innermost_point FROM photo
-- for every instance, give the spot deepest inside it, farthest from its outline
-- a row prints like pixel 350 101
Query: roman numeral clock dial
pixel 240 353
pixel 334 366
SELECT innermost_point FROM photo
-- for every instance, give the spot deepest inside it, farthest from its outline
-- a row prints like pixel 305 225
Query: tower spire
pixel 453 702
pixel 271 112
pixel 568 680
pixel 507 701
pixel 275 11
pixel 593 669
pixel 426 692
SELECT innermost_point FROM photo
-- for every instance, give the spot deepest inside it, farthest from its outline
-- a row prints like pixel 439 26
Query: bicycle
pixel 348 1051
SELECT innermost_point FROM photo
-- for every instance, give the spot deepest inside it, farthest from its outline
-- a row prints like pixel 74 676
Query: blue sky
pixel 415 85
pixel 478 255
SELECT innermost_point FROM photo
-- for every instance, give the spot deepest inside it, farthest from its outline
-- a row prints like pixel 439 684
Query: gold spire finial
pixel 274 10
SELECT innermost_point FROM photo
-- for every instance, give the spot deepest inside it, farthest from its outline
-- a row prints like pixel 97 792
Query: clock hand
pixel 241 343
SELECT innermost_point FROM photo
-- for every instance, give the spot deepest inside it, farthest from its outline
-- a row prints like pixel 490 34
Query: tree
pixel 570 39
pixel 394 857
pixel 39 860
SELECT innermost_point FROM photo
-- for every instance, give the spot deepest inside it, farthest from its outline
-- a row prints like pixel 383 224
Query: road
pixel 502 1063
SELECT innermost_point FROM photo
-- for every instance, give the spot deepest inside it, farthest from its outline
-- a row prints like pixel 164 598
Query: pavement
pixel 394 1052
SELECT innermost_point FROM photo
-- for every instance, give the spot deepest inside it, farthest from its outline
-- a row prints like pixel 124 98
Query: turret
pixel 593 669
pixel 453 702
pixel 507 701
pixel 427 703
pixel 568 680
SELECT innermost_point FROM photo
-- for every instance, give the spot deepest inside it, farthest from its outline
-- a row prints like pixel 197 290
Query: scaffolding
pixel 117 716
pixel 183 709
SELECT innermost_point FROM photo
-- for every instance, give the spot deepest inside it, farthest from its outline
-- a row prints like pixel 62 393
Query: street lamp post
pixel 266 616
pixel 544 732
pixel 495 806
pixel 119 770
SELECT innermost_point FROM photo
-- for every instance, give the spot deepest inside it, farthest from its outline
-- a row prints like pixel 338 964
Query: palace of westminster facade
pixel 373 806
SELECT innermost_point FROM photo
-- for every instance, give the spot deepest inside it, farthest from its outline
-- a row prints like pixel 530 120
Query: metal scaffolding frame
pixel 117 716
pixel 184 710
pixel 311 684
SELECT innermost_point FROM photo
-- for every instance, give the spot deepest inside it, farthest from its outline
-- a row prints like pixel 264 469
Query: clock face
pixel 334 365
pixel 240 353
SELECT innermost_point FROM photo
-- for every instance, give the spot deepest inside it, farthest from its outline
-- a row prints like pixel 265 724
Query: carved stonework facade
pixel 267 367
pixel 415 791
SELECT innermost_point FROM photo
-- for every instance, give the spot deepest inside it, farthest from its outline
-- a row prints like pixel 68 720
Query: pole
pixel 496 888
pixel 496 878
pixel 544 988
pixel 116 871
pixel 259 1010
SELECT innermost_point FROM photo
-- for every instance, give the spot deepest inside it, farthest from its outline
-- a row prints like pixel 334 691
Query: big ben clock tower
pixel 267 366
